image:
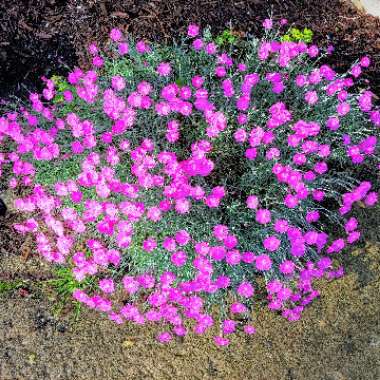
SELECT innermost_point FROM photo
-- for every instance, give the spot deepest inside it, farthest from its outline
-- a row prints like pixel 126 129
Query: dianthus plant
pixel 183 180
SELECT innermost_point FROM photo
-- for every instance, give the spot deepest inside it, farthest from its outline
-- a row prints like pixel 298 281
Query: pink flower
pixel 251 153
pixel 365 62
pixel 218 253
pixel 107 285
pixel 238 308
pixel 118 83
pixel 220 231
pixel 197 44
pixel 271 243
pixel 115 34
pixel 371 199
pixel 164 69
pixel 220 71
pixel 252 202
pixel 93 49
pixel 197 81
pixel 149 244
pixel 130 284
pixel 228 326
pixel 230 241
pixel 98 61
pixel 287 267
pixel 263 262
pixel 343 109
pixel 142 47
pixel 263 216
pixel 210 48
pixel 268 24
pixel 192 30
pixel 311 97
pixel 245 289
pixel 179 258
pixel 182 237
pixel 233 257
pixel 220 341
pixel 123 48
pixel 164 337
pixel 356 71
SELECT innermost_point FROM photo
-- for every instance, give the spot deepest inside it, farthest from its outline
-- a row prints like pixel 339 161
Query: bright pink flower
pixel 272 243
pixel 252 202
pixel 179 258
pixel 116 34
pixel 268 24
pixel 149 244
pixel 233 257
pixel 210 48
pixel 123 48
pixel 263 216
pixel 164 69
pixel 182 237
pixel 287 267
pixel 245 289
pixel 164 337
pixel 249 330
pixel 263 262
pixel 220 341
pixel 197 44
pixel 238 308
pixel 107 285
pixel 192 30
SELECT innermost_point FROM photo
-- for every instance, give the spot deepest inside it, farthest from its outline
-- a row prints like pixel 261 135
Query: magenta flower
pixel 268 24
pixel 245 289
pixel 164 69
pixel 116 34
pixel 179 258
pixel 220 341
pixel 198 44
pixel 287 267
pixel 272 243
pixel 192 30
pixel 263 216
pixel 123 48
pixel 210 48
pixel 107 285
pixel 164 337
pixel 263 262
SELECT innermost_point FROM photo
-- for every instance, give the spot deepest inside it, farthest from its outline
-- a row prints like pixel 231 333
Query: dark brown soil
pixel 39 37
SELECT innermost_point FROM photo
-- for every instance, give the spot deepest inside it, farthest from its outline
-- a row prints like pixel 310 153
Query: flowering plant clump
pixel 179 177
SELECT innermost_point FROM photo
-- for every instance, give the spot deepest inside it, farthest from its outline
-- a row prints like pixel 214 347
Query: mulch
pixel 45 37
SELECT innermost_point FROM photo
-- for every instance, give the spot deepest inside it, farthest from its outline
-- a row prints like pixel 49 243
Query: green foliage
pixel 61 85
pixel 63 284
pixel 297 35
pixel 8 286
pixel 227 37
pixel 49 172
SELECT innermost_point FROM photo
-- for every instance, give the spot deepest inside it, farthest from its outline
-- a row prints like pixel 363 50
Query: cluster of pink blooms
pixel 60 230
